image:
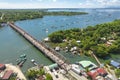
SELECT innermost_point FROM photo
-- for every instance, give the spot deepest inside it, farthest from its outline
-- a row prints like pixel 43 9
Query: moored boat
pixel 21 60
pixel 34 62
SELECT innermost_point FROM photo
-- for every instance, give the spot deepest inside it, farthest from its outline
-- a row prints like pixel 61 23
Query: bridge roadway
pixel 52 54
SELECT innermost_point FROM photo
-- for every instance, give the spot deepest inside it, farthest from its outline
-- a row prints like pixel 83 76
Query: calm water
pixel 12 44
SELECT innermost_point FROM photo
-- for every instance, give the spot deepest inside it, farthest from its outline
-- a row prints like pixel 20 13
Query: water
pixel 12 45
pixel 38 27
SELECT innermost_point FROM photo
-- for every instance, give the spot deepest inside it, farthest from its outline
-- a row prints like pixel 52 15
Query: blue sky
pixel 59 3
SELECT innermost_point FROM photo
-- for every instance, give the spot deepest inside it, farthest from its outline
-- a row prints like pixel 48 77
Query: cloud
pixel 60 4
pixel 99 3
pixel 39 0
pixel 54 0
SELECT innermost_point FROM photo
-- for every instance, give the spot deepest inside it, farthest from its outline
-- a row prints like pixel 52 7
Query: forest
pixel 24 14
pixel 102 39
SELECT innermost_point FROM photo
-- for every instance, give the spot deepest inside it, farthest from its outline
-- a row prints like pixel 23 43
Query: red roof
pixel 2 65
pixel 101 71
pixel 94 73
pixel 7 75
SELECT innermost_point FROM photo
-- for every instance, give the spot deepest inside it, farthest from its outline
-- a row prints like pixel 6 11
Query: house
pixel 47 39
pixel 7 75
pixel 97 74
pixel 88 64
pixel 2 67
pixel 57 48
pixel 115 64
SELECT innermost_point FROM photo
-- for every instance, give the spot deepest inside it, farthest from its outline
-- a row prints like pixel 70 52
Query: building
pixel 2 67
pixel 97 74
pixel 57 48
pixel 7 75
pixel 115 64
pixel 88 64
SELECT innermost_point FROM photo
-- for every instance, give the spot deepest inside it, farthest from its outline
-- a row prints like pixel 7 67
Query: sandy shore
pixel 17 70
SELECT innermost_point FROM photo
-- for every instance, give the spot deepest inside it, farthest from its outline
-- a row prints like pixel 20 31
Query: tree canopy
pixel 15 15
pixel 103 39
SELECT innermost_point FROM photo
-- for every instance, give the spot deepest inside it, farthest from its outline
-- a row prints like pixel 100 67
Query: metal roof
pixel 115 64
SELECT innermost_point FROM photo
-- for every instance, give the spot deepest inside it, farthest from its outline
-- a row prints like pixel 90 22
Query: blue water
pixel 38 27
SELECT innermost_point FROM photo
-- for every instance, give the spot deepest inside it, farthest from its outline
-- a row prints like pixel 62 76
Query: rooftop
pixel 115 64
pixel 97 72
pixel 88 64
pixel 7 75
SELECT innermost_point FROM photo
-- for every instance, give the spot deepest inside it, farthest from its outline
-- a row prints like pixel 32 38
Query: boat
pixel 18 61
pixel 21 60
pixel 23 56
pixel 34 62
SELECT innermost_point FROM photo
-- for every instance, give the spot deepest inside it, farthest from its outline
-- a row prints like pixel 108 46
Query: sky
pixel 58 4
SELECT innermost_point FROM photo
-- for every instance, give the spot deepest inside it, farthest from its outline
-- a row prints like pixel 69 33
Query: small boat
pixel 21 60
pixel 23 56
pixel 18 61
pixel 34 62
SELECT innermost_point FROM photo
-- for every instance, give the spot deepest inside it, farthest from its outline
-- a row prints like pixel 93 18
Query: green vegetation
pixel 32 74
pixel 102 39
pixel 48 77
pixel 12 78
pixel 117 72
pixel 15 15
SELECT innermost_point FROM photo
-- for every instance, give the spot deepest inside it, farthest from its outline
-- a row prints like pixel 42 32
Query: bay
pixel 12 44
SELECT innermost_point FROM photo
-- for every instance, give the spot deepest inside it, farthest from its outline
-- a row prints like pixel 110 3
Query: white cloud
pixel 62 4
pixel 99 3
pixel 5 5
pixel 54 0
pixel 39 0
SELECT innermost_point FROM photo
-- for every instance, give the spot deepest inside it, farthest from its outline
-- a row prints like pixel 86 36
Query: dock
pixel 47 51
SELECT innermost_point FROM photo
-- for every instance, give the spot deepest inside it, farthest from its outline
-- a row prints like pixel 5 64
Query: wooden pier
pixel 49 52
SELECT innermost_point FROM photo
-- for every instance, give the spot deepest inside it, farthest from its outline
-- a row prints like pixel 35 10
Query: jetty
pixel 47 51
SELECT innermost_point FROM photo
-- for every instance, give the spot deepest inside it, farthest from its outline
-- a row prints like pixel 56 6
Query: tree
pixel 31 74
pixel 48 76
pixel 56 37
pixel 117 72
pixel 100 50
pixel 41 71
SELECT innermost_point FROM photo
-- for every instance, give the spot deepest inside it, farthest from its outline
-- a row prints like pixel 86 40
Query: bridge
pixel 49 52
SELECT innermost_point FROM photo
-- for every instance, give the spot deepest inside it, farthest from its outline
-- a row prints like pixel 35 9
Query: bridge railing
pixel 43 44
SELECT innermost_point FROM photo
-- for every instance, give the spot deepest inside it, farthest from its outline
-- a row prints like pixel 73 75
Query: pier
pixel 49 52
